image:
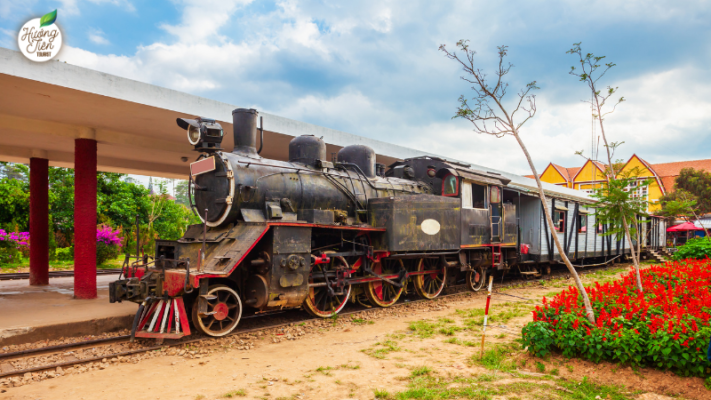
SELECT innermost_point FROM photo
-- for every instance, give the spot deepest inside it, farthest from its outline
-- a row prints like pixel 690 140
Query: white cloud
pixel 97 36
pixel 202 19
pixel 372 68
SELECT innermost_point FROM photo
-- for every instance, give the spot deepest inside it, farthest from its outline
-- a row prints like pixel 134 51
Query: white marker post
pixel 486 314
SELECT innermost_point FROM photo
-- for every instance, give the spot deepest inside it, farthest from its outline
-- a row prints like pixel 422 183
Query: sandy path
pixel 331 360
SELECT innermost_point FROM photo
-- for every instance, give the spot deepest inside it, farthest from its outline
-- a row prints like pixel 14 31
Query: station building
pixel 591 175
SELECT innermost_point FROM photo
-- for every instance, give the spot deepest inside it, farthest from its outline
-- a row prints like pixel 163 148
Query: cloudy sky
pixel 373 68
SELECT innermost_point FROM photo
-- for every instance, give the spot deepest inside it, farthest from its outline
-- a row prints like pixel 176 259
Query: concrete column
pixel 39 221
pixel 84 218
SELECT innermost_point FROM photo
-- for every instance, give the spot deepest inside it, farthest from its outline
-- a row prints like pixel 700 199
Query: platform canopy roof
pixel 45 106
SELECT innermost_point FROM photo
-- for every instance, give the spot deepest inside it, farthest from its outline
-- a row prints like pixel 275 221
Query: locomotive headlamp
pixel 203 133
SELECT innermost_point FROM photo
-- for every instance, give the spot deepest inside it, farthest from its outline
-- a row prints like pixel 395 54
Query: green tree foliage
pixel 20 172
pixel 616 201
pixel 119 200
pixel 14 204
pixel 181 193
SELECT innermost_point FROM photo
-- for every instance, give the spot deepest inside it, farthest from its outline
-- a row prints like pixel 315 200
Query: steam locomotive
pixel 316 233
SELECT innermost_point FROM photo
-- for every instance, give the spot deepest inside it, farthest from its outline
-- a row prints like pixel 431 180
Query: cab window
pixel 478 196
pixel 449 186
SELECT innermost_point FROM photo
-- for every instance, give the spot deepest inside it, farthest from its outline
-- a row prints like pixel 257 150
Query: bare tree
pixel 591 71
pixel 489 115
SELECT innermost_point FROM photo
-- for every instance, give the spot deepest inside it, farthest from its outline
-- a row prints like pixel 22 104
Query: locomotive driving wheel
pixel 382 293
pixel 224 310
pixel 430 285
pixel 476 278
pixel 322 302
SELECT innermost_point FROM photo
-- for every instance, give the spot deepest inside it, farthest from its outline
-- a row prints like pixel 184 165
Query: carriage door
pixel 496 214
pixel 475 214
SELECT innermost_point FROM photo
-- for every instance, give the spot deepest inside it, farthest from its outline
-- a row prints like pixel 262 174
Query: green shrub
pixel 105 252
pixel 65 253
pixel 697 248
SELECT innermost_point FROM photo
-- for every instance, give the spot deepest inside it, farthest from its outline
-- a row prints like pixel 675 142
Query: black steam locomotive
pixel 315 233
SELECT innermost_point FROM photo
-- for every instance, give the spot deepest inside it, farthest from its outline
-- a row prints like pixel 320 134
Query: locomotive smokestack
pixel 244 126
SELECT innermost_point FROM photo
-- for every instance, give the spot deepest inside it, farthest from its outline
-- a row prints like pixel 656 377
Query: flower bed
pixel 13 245
pixel 666 327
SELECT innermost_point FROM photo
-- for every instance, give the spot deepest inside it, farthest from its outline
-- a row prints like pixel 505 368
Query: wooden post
pixel 486 314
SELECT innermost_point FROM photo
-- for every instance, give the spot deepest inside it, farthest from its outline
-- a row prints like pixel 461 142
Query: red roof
pixel 563 171
pixel 572 172
pixel 669 171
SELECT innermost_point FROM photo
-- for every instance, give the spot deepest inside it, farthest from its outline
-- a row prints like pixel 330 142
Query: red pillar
pixel 39 221
pixel 85 219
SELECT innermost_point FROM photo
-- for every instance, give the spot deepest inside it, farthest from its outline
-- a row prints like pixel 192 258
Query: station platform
pixel 32 313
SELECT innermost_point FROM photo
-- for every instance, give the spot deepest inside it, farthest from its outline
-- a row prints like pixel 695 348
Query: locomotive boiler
pixel 314 233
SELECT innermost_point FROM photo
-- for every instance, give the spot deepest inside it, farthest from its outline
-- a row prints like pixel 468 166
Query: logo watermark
pixel 40 39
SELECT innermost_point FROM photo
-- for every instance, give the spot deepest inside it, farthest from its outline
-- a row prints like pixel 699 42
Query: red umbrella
pixel 686 226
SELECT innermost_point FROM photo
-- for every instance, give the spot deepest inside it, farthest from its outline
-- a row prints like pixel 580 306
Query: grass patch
pixel 423 370
pixel 471 313
pixel 324 370
pixel 361 321
pixel 348 366
pixel 235 393
pixel 497 358
pixel 380 350
pixel 428 387
pixel 540 367
pixel 423 329
pixel 382 394
pixel 449 330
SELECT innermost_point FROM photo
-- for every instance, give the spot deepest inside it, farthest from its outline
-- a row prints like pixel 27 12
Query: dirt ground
pixel 420 351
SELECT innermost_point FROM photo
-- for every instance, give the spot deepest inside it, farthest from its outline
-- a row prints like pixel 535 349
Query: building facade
pixel 591 176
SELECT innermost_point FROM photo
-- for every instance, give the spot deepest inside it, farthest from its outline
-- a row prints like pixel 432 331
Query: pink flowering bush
pixel 13 245
pixel 108 243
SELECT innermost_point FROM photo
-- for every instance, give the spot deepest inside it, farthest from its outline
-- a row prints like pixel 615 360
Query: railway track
pixel 295 316
pixel 54 274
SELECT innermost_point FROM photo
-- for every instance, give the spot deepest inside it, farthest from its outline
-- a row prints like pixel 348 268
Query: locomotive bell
pixel 203 133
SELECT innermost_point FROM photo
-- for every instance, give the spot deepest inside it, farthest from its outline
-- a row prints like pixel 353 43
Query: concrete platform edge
pixel 72 329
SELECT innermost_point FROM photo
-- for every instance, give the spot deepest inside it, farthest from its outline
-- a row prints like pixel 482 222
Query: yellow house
pixel 558 175
pixel 589 177
pixel 592 176
pixel 636 167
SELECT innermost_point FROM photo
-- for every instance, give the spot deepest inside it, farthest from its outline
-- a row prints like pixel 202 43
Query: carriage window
pixel 478 196
pixel 449 186
pixel 495 195
pixel 559 221
pixel 582 223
